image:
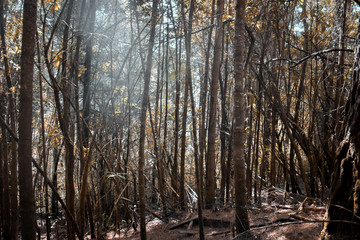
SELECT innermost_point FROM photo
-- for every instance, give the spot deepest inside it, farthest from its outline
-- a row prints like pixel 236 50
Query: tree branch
pixel 321 52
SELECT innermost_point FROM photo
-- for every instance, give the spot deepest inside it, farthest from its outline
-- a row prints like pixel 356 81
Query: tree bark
pixel 12 113
pixel 214 88
pixel 241 215
pixel 184 125
pixel 27 206
pixel 144 104
pixel 345 183
pixel 203 101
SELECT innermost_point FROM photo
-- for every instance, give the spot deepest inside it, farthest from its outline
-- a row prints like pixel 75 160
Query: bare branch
pixel 319 53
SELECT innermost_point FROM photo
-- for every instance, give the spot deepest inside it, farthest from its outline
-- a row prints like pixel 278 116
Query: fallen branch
pixel 182 223
pixel 299 217
pixel 188 232
pixel 252 228
pixel 218 233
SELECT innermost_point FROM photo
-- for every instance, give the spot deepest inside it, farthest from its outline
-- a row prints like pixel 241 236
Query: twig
pixel 197 31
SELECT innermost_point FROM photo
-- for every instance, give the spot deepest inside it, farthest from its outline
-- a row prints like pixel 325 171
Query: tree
pixel 241 216
pixel 344 206
pixel 183 123
pixel 144 104
pixel 27 204
pixel 214 88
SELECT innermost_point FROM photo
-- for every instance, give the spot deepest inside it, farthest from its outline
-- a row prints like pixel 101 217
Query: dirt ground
pixel 292 217
pixel 277 217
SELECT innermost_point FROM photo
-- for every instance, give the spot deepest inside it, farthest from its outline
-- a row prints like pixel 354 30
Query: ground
pixel 278 216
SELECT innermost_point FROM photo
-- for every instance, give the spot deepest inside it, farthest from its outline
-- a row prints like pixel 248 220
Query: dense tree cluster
pixel 112 110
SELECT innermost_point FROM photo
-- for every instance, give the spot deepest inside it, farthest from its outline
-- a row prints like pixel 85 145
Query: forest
pixel 179 119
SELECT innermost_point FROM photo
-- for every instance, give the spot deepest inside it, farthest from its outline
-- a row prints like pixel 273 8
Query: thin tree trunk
pixel 249 171
pixel 69 147
pixel 5 173
pixel 184 125
pixel 84 171
pixel 188 77
pixel 44 159
pixel 214 88
pixel 224 131
pixel 12 113
pixel 203 100
pixel 175 173
pixel 144 105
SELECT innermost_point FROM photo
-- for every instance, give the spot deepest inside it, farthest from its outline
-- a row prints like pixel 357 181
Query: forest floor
pixel 280 217
pixel 292 217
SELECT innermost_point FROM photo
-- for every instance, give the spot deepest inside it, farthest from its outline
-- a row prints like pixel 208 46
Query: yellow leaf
pixel 57 61
pixel 55 7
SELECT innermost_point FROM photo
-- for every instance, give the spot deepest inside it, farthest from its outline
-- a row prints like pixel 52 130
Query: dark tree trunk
pixel 345 183
pixel 5 173
pixel 214 88
pixel 241 215
pixel 12 113
pixel 27 206
pixel 144 104
pixel 203 101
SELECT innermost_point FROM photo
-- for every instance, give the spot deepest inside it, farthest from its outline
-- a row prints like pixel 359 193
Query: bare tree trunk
pixel 2 221
pixel 44 159
pixel 203 100
pixel 188 30
pixel 241 215
pixel 5 172
pixel 175 172
pixel 69 147
pixel 12 113
pixel 214 88
pixel 344 205
pixel 144 105
pixel 27 206
pixel 84 169
pixel 224 131
pixel 184 120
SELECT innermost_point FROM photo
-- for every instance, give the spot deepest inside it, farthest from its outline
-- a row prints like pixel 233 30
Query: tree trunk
pixel 5 173
pixel 188 31
pixel 175 174
pixel 144 104
pixel 203 101
pixel 241 215
pixel 345 183
pixel 69 147
pixel 224 132
pixel 84 168
pixel 214 88
pixel 27 206
pixel 12 113
pixel 184 120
